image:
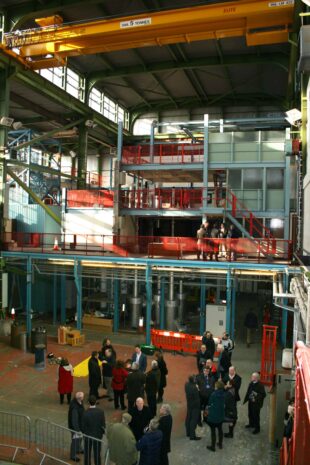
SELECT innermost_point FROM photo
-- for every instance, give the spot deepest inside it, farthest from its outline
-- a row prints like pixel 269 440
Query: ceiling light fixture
pixel 9 123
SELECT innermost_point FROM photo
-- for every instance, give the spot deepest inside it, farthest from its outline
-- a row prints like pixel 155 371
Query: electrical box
pixel 216 319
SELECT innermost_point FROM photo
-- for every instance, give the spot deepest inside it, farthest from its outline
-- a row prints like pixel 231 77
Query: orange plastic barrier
pixel 177 342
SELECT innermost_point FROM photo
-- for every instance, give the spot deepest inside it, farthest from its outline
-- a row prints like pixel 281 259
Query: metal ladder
pixel 299 201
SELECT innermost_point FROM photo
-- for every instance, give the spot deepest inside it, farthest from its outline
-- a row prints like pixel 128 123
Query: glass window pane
pixel 252 178
pixel 275 178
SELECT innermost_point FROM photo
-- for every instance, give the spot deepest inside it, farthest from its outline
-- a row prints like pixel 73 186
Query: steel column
pixel 205 167
pixel 63 291
pixel 78 284
pixel 82 156
pixel 284 312
pixel 233 309
pixel 228 301
pixel 116 305
pixel 287 192
pixel 202 320
pixel 119 140
pixel 28 296
pixel 149 299
pixel 162 303
pixel 55 299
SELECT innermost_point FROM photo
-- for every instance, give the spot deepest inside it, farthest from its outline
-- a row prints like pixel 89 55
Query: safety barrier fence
pixel 59 443
pixel 268 357
pixel 49 440
pixel 162 154
pixel 152 246
pixel 176 342
pixel 15 432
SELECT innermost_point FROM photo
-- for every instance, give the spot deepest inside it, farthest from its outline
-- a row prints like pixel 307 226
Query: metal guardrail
pixel 54 441
pixel 15 431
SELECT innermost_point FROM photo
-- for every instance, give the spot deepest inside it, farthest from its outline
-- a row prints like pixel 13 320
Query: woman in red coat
pixel 119 375
pixel 65 380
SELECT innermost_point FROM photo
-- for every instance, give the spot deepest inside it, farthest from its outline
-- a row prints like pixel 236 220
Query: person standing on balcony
pixel 200 242
pixel 222 235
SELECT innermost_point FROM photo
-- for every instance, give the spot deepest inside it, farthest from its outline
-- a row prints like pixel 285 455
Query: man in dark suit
pixel 135 385
pixel 165 425
pixel 255 397
pixel 139 358
pixel 93 426
pixel 94 375
pixel 233 376
pixel 75 416
pixel 141 416
pixel 151 387
pixel 193 408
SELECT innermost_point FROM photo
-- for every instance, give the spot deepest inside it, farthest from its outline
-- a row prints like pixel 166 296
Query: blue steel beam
pixel 63 315
pixel 284 312
pixel 28 295
pixel 116 305
pixel 78 284
pixel 228 301
pixel 202 320
pixel 157 262
pixel 55 299
pixel 233 309
pixel 162 303
pixel 149 299
pixel 170 212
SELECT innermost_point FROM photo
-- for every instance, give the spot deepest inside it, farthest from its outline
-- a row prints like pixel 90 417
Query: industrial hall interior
pixel 155 232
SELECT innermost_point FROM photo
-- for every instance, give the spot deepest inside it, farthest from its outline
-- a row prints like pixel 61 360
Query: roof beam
pixel 277 59
pixel 260 99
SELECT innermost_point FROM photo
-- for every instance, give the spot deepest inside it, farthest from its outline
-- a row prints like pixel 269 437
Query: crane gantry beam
pixel 259 21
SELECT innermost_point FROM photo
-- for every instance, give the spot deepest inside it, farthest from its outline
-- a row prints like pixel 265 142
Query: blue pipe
pixel 29 296
pixel 78 284
pixel 202 320
pixel 228 302
pixel 162 303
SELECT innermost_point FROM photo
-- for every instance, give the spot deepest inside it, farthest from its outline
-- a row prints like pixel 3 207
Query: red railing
pixel 151 246
pixel 171 198
pixel 268 359
pixel 90 199
pixel 162 154
pixel 255 226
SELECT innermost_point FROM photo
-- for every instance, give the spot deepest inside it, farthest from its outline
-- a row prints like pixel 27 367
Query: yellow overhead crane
pixel 260 21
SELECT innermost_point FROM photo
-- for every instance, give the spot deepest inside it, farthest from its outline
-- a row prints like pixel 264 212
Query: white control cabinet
pixel 216 319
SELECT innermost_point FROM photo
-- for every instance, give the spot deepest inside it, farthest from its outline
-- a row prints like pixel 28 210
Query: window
pixel 252 178
pixel 275 178
pixel 109 108
pixel 75 84
pixel 54 75
pixel 95 99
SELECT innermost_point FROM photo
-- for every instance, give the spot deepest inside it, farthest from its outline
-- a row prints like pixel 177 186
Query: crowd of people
pixel 212 396
pixel 208 245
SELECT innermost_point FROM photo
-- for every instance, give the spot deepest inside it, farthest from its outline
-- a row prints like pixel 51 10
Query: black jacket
pixel 165 425
pixel 94 373
pixel 210 345
pixel 93 423
pixel 163 372
pixel 152 382
pixel 140 419
pixel 202 357
pixel 135 385
pixel 255 394
pixel 192 396
pixel 75 415
pixel 230 406
pixel 108 366
pixel 237 384
pixel 205 385
pixel 224 363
